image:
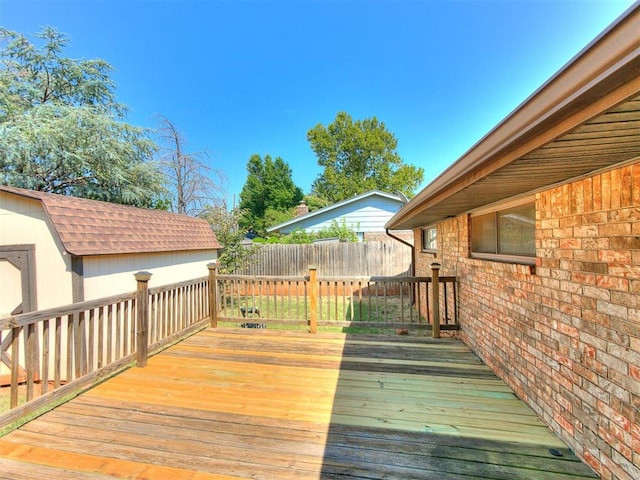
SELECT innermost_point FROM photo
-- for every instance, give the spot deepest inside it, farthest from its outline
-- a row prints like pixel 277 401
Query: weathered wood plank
pixel 273 405
pixel 74 465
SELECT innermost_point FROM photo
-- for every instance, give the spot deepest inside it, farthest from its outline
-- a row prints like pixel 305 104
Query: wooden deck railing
pixel 48 354
pixel 394 302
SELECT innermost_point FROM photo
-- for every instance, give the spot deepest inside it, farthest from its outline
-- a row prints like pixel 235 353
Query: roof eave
pixel 603 74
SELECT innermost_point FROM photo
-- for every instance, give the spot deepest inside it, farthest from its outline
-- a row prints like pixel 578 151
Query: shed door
pixel 17 279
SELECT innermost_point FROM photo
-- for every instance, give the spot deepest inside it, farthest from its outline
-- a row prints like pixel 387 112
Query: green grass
pixel 5 398
pixel 369 309
pixel 27 418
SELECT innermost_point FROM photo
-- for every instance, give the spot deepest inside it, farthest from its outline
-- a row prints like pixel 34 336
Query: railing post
pixel 142 318
pixel 313 298
pixel 213 294
pixel 435 292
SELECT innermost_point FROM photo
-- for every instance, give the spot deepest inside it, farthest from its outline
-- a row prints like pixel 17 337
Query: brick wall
pixel 407 236
pixel 564 335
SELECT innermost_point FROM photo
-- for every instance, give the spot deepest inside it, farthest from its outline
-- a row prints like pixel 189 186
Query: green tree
pixel 62 130
pixel 315 202
pixel 224 222
pixel 358 157
pixel 268 193
pixel 339 230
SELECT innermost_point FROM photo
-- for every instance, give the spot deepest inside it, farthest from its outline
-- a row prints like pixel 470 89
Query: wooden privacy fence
pixel 340 259
pixel 374 301
pixel 48 354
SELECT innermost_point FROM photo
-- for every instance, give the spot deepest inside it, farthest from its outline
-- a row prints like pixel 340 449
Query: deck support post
pixel 313 298
pixel 213 294
pixel 435 292
pixel 142 318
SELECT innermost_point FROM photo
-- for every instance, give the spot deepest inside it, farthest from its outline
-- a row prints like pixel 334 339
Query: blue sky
pixel 244 77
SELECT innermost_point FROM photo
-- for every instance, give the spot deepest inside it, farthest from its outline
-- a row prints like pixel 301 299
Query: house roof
pixel 89 227
pixel 400 198
pixel 585 118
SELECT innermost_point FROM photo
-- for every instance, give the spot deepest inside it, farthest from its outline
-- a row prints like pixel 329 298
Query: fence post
pixel 213 294
pixel 435 292
pixel 142 318
pixel 313 298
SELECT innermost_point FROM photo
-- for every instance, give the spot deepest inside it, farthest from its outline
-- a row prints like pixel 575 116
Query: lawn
pixel 378 309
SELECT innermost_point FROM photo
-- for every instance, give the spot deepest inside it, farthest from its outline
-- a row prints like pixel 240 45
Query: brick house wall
pixel 407 236
pixel 564 335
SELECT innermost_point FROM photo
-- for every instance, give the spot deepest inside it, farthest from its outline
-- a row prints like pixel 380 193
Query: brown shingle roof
pixel 90 227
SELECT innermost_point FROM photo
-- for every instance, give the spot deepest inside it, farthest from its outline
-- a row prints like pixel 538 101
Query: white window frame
pixel 431 242
pixel 499 257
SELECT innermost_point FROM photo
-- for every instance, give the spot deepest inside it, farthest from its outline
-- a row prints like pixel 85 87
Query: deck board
pixel 238 404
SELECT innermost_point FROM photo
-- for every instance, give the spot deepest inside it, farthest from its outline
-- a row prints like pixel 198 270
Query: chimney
pixel 302 209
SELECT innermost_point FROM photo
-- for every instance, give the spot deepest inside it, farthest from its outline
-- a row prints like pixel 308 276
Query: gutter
pixel 413 251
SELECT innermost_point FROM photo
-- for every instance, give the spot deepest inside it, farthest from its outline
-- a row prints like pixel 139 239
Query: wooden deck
pixel 262 404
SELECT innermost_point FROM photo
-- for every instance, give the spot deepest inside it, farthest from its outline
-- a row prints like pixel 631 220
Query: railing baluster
pixel 455 302
pixel 70 350
pixel 15 365
pixel 91 347
pixel 446 304
pixel 44 386
pixel 402 285
pixel 110 339
pixel 57 354
pixel 30 345
pixel 101 339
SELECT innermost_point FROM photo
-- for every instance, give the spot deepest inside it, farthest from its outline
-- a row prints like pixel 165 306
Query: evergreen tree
pixel 268 193
pixel 62 130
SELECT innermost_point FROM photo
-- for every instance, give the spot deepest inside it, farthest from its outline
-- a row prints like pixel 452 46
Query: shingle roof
pixel 90 227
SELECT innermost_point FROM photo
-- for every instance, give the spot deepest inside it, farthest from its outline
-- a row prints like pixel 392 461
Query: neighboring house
pixel 540 222
pixel 366 214
pixel 56 250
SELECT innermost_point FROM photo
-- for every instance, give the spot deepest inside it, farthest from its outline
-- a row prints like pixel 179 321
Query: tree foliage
pixel 357 157
pixel 268 193
pixel 339 230
pixel 192 188
pixel 315 202
pixel 224 222
pixel 62 130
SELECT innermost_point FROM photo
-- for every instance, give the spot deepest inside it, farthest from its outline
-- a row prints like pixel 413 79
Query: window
pixel 509 233
pixel 429 239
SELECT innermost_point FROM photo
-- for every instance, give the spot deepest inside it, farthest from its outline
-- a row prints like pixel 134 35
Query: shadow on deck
pixel 236 404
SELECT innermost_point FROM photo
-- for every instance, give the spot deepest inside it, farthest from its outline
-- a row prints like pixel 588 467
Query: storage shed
pixel 56 250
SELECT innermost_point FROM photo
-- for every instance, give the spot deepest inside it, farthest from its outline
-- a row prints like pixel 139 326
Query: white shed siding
pixel 10 288
pixel 24 221
pixel 113 274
